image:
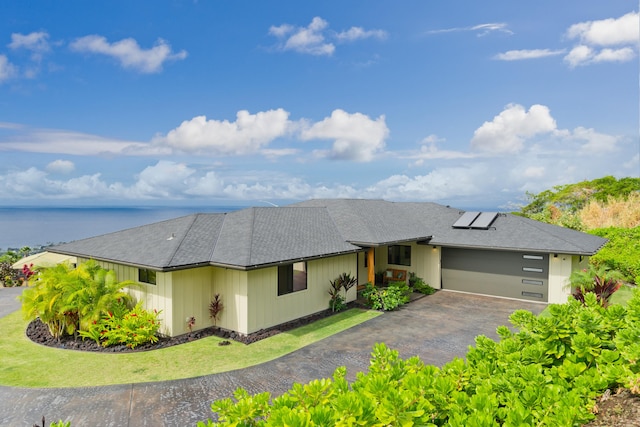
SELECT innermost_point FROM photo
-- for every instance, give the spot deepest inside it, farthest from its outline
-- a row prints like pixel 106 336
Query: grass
pixel 26 364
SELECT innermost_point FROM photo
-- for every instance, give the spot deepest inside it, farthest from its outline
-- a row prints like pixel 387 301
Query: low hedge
pixel 548 373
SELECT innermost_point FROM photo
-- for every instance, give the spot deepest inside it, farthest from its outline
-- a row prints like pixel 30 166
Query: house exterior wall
pixel 158 296
pixel 266 308
pixel 560 268
pixel 425 263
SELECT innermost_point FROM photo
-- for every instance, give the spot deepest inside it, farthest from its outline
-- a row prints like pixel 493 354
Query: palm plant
pixel 46 299
pixel 68 300
pixel 93 292
pixel 599 280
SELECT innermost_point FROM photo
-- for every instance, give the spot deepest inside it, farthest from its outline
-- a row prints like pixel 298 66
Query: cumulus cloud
pixel 7 69
pixel 61 166
pixel 129 53
pixel 606 40
pixel 594 142
pixel 356 136
pixel 517 55
pixel 246 135
pixel 507 131
pixel 315 39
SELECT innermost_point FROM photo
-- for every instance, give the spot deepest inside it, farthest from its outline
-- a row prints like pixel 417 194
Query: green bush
pixel 621 253
pixel 69 300
pixel 387 299
pixel 548 373
pixel 417 284
pixel 123 327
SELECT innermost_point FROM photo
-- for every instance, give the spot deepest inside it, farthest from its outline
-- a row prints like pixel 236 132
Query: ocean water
pixel 40 226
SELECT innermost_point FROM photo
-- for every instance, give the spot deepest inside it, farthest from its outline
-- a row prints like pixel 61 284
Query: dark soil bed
pixel 39 333
pixel 619 409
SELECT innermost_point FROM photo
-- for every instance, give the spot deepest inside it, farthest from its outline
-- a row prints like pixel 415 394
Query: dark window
pixel 399 255
pixel 292 278
pixel 147 276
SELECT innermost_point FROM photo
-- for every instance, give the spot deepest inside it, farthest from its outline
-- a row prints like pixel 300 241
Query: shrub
pixel 130 328
pixel 417 284
pixel 387 299
pixel 68 300
pixel 600 281
pixel 549 373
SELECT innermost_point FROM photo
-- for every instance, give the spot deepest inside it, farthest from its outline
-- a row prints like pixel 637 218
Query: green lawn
pixel 26 364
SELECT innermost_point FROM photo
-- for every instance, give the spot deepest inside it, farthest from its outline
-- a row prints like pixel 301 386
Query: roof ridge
pixel 215 244
pixel 252 230
pixel 175 252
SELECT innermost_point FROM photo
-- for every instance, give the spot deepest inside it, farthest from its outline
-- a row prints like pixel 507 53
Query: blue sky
pixel 196 103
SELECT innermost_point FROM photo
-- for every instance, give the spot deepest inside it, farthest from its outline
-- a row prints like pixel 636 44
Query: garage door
pixel 506 274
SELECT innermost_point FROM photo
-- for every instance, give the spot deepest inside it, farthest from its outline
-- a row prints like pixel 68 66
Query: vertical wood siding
pixel 266 308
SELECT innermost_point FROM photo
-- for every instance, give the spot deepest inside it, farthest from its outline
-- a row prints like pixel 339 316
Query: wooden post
pixel 371 272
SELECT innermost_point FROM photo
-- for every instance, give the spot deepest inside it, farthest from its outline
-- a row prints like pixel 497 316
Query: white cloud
pixel 304 39
pixel 61 166
pixel 7 69
pixel 164 179
pixel 356 136
pixel 67 142
pixel 36 42
pixel 594 142
pixel 129 53
pixel 534 172
pixel 313 39
pixel 608 32
pixel 246 135
pixel 517 55
pixel 508 130
pixel 481 29
pixel 606 40
pixel 359 33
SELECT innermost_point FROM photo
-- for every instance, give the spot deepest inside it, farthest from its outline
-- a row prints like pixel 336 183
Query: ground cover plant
pixel 549 372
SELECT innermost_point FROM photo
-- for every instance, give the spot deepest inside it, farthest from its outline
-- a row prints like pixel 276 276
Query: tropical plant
pixel 343 282
pixel 8 275
pixel 417 284
pixel 68 300
pixel 621 252
pixel 125 327
pixel 549 373
pixel 386 298
pixel 215 308
pixel 599 280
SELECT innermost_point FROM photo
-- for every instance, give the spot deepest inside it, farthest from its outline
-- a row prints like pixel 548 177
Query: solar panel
pixel 484 221
pixel 466 219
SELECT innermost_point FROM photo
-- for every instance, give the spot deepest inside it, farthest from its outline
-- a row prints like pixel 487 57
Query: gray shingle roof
pixel 256 237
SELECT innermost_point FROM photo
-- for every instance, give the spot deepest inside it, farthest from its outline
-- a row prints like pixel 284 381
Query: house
pixel 271 265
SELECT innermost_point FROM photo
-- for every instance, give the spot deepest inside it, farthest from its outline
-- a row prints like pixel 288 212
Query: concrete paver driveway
pixel 436 328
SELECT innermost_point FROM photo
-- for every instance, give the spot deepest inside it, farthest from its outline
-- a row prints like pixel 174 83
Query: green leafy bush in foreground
pixel 549 373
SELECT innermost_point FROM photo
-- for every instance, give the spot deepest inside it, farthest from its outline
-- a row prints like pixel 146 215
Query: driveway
pixel 435 328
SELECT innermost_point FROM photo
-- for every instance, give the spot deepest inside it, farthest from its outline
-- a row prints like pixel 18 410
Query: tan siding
pixel 267 309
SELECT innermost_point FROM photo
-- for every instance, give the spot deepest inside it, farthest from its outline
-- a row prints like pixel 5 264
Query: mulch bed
pixel 39 333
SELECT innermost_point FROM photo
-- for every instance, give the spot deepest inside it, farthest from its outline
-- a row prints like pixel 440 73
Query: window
pixel 399 255
pixel 531 294
pixel 532 282
pixel 532 269
pixel 533 257
pixel 147 276
pixel 292 278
